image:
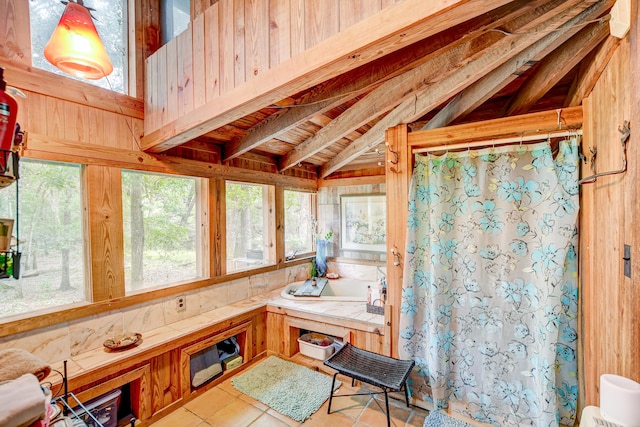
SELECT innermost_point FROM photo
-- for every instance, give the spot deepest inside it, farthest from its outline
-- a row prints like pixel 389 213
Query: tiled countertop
pixel 349 314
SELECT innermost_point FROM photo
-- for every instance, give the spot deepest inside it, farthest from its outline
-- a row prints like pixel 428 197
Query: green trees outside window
pixel 161 242
pixel 51 240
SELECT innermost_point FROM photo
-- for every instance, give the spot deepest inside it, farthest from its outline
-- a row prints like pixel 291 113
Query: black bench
pixel 384 372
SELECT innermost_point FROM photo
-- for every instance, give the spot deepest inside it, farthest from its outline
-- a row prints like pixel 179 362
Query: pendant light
pixel 75 46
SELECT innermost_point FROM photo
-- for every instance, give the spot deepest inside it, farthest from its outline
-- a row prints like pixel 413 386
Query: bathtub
pixel 335 290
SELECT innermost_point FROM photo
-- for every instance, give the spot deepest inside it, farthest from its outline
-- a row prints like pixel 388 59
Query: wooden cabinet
pixel 284 331
pixel 159 377
pixel 242 333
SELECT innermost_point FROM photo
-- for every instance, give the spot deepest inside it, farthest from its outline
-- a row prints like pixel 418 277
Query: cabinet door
pixel 243 335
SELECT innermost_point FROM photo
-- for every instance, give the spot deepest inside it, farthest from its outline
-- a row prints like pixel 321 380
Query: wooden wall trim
pixel 360 180
pixel 43 82
pixel 103 186
pixel 610 302
pixel 398 178
pixel 634 153
pixel 46 148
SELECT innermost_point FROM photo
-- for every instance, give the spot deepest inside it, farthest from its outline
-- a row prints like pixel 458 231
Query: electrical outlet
pixel 181 303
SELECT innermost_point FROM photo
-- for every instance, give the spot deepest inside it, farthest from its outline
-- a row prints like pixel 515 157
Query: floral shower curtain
pixel 489 299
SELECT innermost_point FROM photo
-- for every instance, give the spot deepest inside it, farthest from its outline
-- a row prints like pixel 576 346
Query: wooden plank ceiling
pixel 525 56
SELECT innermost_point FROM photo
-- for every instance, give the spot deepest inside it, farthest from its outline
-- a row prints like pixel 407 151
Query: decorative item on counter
pixel 120 342
pixel 376 298
pixel 322 242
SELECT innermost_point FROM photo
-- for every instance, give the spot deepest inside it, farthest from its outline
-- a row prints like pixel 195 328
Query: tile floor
pixel 224 406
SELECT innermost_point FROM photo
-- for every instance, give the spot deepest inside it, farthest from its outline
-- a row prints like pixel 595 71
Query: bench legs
pixel 386 397
pixel 333 387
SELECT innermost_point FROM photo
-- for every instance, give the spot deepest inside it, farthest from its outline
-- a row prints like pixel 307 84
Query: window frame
pixel 200 246
pixel 270 241
pixel 313 210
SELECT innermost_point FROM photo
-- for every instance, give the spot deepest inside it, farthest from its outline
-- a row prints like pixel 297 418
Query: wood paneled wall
pixel 609 215
pixel 15 40
pixel 233 41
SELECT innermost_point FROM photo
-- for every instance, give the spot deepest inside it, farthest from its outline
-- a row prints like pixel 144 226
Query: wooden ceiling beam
pixel 396 90
pixel 480 91
pixel 555 66
pixel 589 72
pixel 334 92
pixel 426 99
pixel 543 121
pixel 393 28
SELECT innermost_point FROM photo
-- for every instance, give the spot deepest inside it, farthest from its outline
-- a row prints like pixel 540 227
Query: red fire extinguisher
pixel 8 118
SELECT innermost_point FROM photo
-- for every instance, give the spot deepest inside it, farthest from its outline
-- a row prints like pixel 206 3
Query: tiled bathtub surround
pixel 70 339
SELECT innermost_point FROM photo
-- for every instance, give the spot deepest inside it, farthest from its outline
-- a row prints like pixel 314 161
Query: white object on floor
pixel 620 400
pixel 591 417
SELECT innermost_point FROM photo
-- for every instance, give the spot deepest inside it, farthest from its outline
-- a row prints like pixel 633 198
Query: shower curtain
pixel 489 299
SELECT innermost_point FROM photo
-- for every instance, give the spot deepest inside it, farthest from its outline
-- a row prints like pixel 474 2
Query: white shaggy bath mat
pixel 291 389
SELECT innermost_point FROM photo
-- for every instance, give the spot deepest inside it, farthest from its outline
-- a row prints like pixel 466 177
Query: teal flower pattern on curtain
pixel 489 299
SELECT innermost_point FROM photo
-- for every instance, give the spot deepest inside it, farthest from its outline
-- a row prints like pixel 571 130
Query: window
pixel 175 16
pixel 110 20
pixel 298 226
pixel 161 237
pixel 50 235
pixel 249 226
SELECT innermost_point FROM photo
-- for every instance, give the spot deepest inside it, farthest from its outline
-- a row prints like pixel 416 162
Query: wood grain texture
pixel 610 301
pixel 279 31
pixel 460 75
pixel 106 246
pixel 199 64
pixel 45 148
pixel 486 87
pixel 398 177
pixel 556 65
pixel 590 70
pixel 15 37
pixel 34 80
pixel 185 71
pixel 211 53
pixel 361 43
pixel 545 121
pixel 173 62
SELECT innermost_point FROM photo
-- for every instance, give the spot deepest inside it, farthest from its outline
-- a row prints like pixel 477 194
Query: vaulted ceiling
pixel 525 56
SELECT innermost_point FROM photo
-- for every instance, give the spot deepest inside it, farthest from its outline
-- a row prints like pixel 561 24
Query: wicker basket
pixel 376 308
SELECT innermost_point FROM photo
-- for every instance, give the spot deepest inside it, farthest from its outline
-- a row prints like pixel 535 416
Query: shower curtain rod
pixel 499 141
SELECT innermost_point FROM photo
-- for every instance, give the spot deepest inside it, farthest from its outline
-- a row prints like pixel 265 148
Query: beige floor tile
pixel 236 414
pixel 208 403
pixel 417 418
pixel 266 420
pixel 286 420
pixel 180 417
pixel 350 406
pixel 224 406
pixel 228 387
pixel 322 419
pixel 253 402
pixel 374 415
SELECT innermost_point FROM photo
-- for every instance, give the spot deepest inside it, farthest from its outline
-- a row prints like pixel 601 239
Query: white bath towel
pixel 22 401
